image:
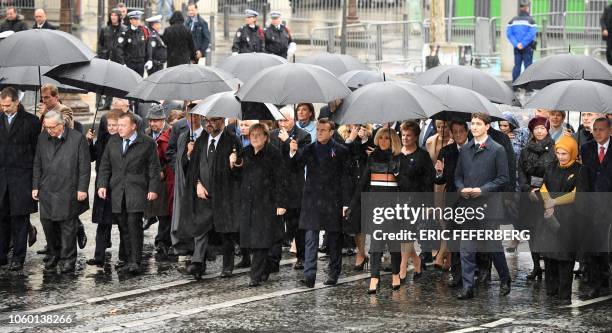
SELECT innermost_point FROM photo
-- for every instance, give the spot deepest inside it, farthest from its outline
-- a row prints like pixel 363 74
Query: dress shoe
pixel 15 266
pixel 133 268
pixel 67 268
pixel 324 249
pixel 81 238
pixel 375 290
pixel 504 288
pixel 51 264
pixel 161 249
pixel 94 262
pixel 466 294
pixel 254 284
pixel 195 269
pixel 484 277
pixel 417 275
pixel 308 283
pixel 32 232
pixel 454 281
pixel 536 273
pixel 362 266
pixel 244 263
pixel 44 250
pixel 120 263
pixel 330 281
pixel 426 258
pixel 47 257
pixel 298 265
pixel 226 274
pixel 592 293
pixel 149 222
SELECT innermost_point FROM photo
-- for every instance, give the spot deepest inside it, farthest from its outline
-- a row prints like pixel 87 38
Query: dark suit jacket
pixel 45 25
pixel 450 155
pixel 599 175
pixel 17 150
pixel 296 175
pixel 178 128
pixel 131 176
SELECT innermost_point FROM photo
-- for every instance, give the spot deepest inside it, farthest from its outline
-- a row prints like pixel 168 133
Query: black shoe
pixel 161 249
pixel 265 276
pixel 120 263
pixel 226 274
pixel 466 294
pixel 51 263
pixel 244 263
pixel 330 281
pixel 417 275
pixel 298 265
pixel 67 268
pixel 15 266
pixel 375 290
pixel 133 268
pixel 44 250
pixel 94 262
pixel 32 234
pixel 307 283
pixel 593 293
pixel 81 238
pixel 324 249
pixel 195 269
pixel 3 262
pixel 362 266
pixel 254 283
pixel 484 276
pixel 403 280
pixel 47 257
pixel 454 281
pixel 149 222
pixel 504 289
pixel 535 274
pixel 426 258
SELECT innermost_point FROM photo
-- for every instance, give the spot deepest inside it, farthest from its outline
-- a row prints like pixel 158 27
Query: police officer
pixel 278 37
pixel 156 48
pixel 249 37
pixel 135 43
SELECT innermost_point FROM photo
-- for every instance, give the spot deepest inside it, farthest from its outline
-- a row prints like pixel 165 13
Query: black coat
pixel 111 43
pixel 606 19
pixel 505 142
pixel 61 168
pixel 131 176
pixel 295 176
pixel 180 45
pixel 45 25
pixel 534 160
pixel 199 216
pixel 15 25
pixel 200 33
pixel 599 175
pixel 248 40
pixel 157 51
pixel 178 128
pixel 17 148
pixel 277 40
pixel 262 191
pixel 450 155
pixel 102 211
pixel 135 46
pixel 328 186
pixel 416 172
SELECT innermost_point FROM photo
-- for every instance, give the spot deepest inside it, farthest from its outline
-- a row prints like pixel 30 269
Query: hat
pixel 524 3
pixel 135 14
pixel 154 19
pixel 251 13
pixel 537 121
pixel 275 14
pixel 509 117
pixel 5 34
pixel 569 144
pixel 156 112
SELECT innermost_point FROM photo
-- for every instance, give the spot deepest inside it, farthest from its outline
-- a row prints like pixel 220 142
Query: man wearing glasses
pixel 50 101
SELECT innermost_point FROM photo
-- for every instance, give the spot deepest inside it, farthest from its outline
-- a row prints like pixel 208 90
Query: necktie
pixel 602 154
pixel 126 144
pixel 211 147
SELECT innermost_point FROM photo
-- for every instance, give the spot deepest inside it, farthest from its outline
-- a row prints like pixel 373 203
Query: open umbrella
pixel 293 83
pixel 103 77
pixel 563 67
pixel 184 82
pixel 358 78
pixel 573 95
pixel 386 102
pixel 26 78
pixel 471 78
pixel 226 105
pixel 245 65
pixel 461 102
pixel 335 63
pixel 42 47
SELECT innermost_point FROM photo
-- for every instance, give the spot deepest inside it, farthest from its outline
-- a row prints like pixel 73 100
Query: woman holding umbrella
pixel 535 158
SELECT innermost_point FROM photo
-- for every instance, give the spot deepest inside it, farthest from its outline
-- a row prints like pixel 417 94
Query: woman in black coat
pixel 262 198
pixel 533 161
pixel 179 41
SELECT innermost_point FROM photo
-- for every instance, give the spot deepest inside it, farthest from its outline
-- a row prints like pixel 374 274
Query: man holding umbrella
pixel 135 43
pixel 19 132
pixel 249 37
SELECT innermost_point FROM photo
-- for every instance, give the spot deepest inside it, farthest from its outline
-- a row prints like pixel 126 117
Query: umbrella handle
pixel 93 124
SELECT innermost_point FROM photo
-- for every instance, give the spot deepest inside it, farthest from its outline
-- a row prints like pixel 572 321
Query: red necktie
pixel 602 154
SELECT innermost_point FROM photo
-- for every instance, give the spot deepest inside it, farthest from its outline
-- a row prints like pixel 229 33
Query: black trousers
pixel 292 220
pixel 15 228
pixel 103 242
pixel 163 231
pixel 597 270
pixel 61 239
pixel 258 263
pixel 138 67
pixel 559 276
pixel 227 250
pixel 609 49
pixel 131 234
pixel 396 260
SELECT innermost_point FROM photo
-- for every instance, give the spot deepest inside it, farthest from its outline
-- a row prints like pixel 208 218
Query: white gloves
pixel 149 65
pixel 291 50
pixel 234 53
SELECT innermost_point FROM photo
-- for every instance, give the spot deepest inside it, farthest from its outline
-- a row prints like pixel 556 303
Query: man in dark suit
pixel 131 167
pixel 446 165
pixel 19 132
pixel 428 128
pixel 482 168
pixel 40 18
pixel 597 160
pixel 326 198
pixel 281 138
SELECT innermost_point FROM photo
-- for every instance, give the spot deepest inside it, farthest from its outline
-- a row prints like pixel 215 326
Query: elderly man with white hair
pixel 40 18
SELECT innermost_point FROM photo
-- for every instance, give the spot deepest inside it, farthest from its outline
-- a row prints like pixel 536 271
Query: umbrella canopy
pixel 100 76
pixel 291 84
pixel 26 78
pixel 386 102
pixel 573 95
pixel 184 82
pixel 226 105
pixel 563 67
pixel 471 78
pixel 335 63
pixel 42 47
pixel 461 102
pixel 359 78
pixel 245 65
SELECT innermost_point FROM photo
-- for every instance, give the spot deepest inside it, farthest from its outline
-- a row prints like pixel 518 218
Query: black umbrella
pixel 563 67
pixel 26 78
pixel 226 105
pixel 184 82
pixel 335 63
pixel 103 77
pixel 358 78
pixel 573 95
pixel 471 78
pixel 461 103
pixel 245 65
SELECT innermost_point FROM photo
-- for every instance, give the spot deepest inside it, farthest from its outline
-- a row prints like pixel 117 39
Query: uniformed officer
pixel 278 37
pixel 249 37
pixel 156 48
pixel 136 43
